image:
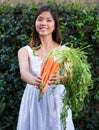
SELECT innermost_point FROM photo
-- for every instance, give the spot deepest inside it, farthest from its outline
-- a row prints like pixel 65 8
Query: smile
pixel 43 29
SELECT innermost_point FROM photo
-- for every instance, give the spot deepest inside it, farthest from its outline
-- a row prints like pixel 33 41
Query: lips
pixel 43 28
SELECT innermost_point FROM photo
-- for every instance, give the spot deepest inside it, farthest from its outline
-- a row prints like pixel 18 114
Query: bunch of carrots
pixel 48 68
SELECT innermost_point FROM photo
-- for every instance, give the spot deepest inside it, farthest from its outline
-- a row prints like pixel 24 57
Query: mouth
pixel 43 29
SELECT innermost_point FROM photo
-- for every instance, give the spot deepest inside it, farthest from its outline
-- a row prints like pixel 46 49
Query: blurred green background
pixel 79 24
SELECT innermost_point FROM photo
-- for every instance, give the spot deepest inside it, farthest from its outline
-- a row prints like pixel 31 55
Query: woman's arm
pixel 26 76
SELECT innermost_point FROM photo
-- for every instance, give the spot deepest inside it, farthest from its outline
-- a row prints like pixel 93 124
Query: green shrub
pixel 79 26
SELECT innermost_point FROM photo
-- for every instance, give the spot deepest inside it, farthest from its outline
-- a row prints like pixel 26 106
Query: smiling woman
pixel 45 17
pixel 45 24
pixel 46 113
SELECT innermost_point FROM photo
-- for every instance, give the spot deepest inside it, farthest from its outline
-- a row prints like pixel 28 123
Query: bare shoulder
pixel 22 51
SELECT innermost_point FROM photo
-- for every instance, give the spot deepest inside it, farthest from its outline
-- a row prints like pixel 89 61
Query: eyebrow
pixel 47 17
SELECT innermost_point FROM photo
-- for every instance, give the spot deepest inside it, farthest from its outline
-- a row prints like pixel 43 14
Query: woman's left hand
pixel 56 79
pixel 53 79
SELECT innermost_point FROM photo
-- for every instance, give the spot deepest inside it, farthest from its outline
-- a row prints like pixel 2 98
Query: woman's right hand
pixel 37 81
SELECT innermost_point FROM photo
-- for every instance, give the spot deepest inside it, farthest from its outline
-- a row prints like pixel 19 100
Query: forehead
pixel 45 14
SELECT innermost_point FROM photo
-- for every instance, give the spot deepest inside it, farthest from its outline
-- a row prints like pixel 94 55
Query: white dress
pixel 43 114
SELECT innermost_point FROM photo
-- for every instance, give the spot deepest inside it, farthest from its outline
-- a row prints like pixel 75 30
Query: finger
pixel 53 75
pixel 53 82
pixel 50 82
pixel 40 78
pixel 54 78
pixel 38 83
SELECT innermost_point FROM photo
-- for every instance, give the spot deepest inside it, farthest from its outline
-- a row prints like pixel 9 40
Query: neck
pixel 46 41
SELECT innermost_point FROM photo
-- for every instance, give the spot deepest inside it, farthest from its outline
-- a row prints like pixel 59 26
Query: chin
pixel 43 34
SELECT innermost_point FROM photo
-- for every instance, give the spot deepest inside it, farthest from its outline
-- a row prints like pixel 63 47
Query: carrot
pixel 55 68
pixel 46 68
pixel 44 89
pixel 43 73
pixel 50 68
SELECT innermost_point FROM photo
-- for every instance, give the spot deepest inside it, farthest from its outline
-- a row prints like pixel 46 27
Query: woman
pixel 44 114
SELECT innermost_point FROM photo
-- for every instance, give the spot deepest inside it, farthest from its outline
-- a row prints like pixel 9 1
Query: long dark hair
pixel 35 41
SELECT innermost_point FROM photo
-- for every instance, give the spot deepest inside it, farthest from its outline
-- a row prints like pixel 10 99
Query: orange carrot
pixel 46 69
pixel 55 68
pixel 50 68
pixel 44 89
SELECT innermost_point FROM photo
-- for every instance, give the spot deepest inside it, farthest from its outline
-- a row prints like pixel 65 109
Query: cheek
pixel 53 27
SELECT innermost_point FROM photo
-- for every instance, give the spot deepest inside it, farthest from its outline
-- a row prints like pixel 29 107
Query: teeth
pixel 43 28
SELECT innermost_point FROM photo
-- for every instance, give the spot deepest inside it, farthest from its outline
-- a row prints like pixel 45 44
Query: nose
pixel 43 22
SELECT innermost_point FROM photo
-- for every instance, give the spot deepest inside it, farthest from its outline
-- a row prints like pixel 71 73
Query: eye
pixel 39 19
pixel 49 20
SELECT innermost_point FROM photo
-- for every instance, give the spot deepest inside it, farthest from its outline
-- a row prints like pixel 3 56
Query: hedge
pixel 79 25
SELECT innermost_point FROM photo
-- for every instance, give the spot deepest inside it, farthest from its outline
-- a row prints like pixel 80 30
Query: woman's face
pixel 45 24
